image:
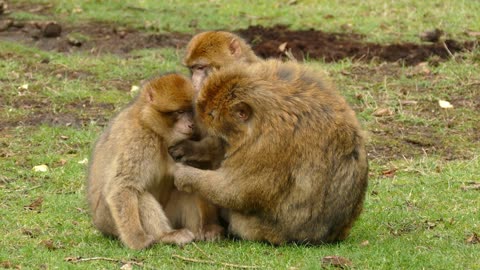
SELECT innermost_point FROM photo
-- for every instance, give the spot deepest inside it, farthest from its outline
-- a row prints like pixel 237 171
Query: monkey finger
pixel 177 152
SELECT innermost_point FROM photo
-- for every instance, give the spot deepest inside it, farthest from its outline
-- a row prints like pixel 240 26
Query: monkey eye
pixel 199 67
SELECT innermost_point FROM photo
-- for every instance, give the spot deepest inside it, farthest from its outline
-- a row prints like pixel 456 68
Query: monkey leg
pixel 124 206
pixel 191 212
pixel 102 218
pixel 156 223
pixel 254 229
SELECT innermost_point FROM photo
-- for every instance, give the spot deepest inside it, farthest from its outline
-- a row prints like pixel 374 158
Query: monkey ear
pixel 235 48
pixel 150 95
pixel 242 111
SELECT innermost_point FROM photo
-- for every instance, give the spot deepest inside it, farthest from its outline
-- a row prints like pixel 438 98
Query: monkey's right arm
pixel 215 187
pixel 210 150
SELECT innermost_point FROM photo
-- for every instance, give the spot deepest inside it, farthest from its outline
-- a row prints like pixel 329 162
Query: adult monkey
pixel 295 168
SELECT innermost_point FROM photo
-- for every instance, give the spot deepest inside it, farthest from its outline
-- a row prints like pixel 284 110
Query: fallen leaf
pixel 134 89
pixel 62 161
pixel 473 239
pixel 336 261
pixel 48 244
pixel 127 266
pixel 6 264
pixel 390 172
pixel 30 232
pixel 382 112
pixel 420 69
pixel 408 102
pixel 282 47
pixel 77 10
pixel 83 161
pixel 445 104
pixel 471 185
pixel 40 168
pixel 35 204
pixel 430 225
pixel 473 33
pixel 431 36
pixel 364 243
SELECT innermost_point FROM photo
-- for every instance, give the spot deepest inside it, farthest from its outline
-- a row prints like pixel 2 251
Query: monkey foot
pixel 178 237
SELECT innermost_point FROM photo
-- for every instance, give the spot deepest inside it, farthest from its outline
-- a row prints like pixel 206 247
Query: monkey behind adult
pixel 130 182
pixel 207 52
pixel 295 168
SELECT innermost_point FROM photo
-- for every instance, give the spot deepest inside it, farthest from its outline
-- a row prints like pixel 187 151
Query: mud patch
pixel 267 42
pixel 76 114
pixel 314 44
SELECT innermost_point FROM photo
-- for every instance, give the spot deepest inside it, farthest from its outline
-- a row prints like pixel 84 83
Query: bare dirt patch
pixel 314 44
pixel 391 139
pixel 76 114
pixel 267 42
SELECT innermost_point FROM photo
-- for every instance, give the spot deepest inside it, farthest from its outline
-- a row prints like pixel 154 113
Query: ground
pixel 100 38
pixel 57 94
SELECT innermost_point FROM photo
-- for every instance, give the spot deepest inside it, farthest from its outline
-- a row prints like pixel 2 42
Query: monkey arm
pixel 215 187
pixel 208 150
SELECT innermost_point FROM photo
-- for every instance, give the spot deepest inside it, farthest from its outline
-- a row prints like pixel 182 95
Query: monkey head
pixel 223 106
pixel 168 108
pixel 213 50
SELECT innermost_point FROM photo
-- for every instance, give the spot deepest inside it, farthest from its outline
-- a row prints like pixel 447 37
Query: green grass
pixel 380 20
pixel 418 217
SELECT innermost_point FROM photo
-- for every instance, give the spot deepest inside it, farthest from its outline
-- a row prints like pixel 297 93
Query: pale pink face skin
pixel 199 74
pixel 184 124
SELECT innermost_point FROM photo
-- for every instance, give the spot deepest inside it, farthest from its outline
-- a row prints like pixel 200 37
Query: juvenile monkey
pixel 295 168
pixel 130 182
pixel 207 52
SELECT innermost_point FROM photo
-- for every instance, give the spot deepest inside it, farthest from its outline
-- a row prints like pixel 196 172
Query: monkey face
pixel 183 124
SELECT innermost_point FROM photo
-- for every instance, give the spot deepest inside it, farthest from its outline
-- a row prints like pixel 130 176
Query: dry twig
pixel 214 262
pixel 80 259
pixel 448 51
pixel 201 250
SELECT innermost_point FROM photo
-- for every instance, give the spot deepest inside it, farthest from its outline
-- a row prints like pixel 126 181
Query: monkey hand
pixel 182 178
pixel 180 152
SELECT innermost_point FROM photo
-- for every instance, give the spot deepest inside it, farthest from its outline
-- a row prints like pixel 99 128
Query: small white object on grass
pixel 445 104
pixel 83 161
pixel 40 168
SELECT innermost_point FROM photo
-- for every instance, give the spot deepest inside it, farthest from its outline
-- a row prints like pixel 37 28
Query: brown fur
pixel 218 49
pixel 295 168
pixel 207 52
pixel 130 182
pixel 210 51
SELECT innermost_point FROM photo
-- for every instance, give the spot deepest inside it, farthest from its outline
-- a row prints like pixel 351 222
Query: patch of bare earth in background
pixel 391 138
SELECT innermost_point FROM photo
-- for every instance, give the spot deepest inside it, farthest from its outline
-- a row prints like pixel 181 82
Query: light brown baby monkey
pixel 130 182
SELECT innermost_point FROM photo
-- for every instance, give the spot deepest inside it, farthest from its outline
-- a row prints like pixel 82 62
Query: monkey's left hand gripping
pixel 183 177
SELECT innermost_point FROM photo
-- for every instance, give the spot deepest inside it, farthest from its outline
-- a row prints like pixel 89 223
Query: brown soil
pixel 390 139
pixel 314 44
pixel 266 42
